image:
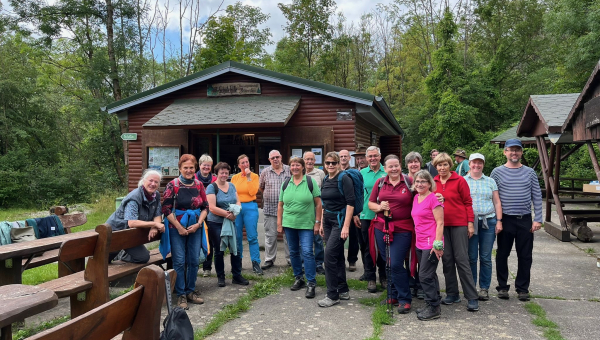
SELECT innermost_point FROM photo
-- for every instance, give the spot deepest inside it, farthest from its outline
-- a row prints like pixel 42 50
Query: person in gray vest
pixel 141 208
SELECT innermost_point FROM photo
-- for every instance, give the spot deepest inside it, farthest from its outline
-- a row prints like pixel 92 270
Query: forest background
pixel 455 73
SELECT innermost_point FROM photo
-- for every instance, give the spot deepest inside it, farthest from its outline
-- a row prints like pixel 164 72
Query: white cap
pixel 476 156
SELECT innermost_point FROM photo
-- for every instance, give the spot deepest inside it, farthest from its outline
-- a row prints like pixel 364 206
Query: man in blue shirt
pixel 518 187
pixel 462 164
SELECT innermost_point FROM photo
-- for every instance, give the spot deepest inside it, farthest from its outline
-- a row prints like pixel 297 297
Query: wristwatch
pixel 317 221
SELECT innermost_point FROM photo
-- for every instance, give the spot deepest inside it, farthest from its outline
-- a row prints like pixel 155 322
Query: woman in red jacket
pixel 458 228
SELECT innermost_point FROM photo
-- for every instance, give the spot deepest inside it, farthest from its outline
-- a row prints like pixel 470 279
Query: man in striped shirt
pixel 518 188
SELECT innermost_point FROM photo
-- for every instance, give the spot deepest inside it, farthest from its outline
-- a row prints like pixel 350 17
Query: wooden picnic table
pixel 19 302
pixel 12 255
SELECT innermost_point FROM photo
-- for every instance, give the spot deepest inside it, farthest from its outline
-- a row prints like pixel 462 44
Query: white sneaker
pixel 327 302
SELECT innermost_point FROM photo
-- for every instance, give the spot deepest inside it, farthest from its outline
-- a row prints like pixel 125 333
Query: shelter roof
pixel 510 134
pixel 228 110
pixel 583 97
pixel 545 114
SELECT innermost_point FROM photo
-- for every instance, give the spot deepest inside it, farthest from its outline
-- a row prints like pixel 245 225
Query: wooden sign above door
pixel 232 89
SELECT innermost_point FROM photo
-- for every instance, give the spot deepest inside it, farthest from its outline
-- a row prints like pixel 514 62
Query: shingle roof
pixel 554 108
pixel 510 134
pixel 234 110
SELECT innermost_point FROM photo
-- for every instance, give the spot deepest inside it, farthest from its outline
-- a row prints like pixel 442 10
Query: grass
pixel 41 274
pixel 589 250
pixel 380 316
pixel 27 332
pixel 264 287
pixel 550 329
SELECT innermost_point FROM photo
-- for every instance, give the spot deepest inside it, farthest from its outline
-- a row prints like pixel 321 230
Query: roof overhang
pixel 578 106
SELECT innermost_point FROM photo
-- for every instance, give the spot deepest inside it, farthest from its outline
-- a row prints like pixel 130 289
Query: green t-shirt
pixel 369 178
pixel 299 204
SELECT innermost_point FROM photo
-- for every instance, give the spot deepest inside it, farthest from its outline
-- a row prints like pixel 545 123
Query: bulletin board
pixel 318 150
pixel 164 159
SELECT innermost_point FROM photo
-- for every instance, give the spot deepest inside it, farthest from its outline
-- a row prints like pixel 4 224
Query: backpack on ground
pixel 359 198
pixel 177 325
pixel 309 182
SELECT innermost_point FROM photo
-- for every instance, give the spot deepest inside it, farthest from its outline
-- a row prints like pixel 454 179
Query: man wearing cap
pixel 360 158
pixel 432 170
pixel 487 210
pixel 462 165
pixel 518 187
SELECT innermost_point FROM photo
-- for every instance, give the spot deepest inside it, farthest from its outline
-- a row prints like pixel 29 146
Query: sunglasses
pixel 275 157
pixel 331 163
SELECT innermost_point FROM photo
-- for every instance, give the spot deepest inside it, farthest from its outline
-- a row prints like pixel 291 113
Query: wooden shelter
pixel 232 109
pixel 543 119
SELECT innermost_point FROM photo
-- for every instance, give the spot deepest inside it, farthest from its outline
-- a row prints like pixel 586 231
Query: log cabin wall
pixel 363 133
pixel 314 110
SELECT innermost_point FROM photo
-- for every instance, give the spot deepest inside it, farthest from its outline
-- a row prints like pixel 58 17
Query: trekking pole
pixel 388 264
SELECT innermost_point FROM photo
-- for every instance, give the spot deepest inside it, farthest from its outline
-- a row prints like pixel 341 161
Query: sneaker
pixel 430 313
pixel 310 290
pixel 484 295
pixel 473 305
pixel 523 296
pixel 345 296
pixel 450 299
pixel 320 270
pixel 194 297
pixel 120 255
pixel 221 281
pixel 404 308
pixel 372 287
pixel 420 294
pixel 267 265
pixel 394 302
pixel 298 284
pixel 327 302
pixel 239 280
pixel 182 302
pixel 206 273
pixel 256 268
pixel 352 267
pixel 503 294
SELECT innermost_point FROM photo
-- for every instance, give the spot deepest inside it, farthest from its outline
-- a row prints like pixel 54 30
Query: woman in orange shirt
pixel 246 185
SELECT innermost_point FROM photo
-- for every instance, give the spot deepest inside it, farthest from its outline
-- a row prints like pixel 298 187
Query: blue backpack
pixel 359 199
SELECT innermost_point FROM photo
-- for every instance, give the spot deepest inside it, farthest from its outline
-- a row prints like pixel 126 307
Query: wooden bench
pixel 88 289
pixel 137 313
pixel 20 302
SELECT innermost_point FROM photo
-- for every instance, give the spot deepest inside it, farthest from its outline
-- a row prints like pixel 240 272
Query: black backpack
pixel 177 325
pixel 309 182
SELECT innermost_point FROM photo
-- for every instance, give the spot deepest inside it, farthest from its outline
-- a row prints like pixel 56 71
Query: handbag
pixel 18 235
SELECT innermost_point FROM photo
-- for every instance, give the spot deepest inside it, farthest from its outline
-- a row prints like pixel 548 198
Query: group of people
pixel 431 213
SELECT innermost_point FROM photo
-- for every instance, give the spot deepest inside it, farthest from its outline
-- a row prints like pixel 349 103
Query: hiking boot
pixel 267 265
pixel 345 296
pixel 503 294
pixel 298 284
pixel 450 299
pixel 404 308
pixel 194 297
pixel 430 313
pixel 473 305
pixel 320 270
pixel 484 295
pixel 352 267
pixel 239 280
pixel 420 294
pixel 206 273
pixel 372 287
pixel 310 290
pixel 182 302
pixel 256 268
pixel 422 309
pixel 523 296
pixel 327 302
pixel 221 281
pixel 394 302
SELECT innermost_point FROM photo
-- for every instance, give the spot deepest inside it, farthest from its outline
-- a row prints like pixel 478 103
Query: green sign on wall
pixel 129 136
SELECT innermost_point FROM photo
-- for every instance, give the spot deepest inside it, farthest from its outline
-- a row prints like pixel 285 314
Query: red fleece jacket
pixel 458 205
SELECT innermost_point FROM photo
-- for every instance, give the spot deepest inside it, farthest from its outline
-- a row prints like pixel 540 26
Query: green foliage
pixel 27 332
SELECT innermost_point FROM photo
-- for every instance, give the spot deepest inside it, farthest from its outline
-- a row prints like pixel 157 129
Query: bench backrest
pixel 137 313
pixel 129 238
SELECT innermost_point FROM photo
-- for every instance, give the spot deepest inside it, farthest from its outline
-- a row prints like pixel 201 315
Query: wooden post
pixel 557 169
pixel 594 159
pixel 549 180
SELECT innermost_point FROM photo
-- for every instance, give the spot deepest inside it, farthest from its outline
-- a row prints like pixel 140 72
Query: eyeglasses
pixel 373 156
pixel 421 182
pixel 275 157
pixel 331 163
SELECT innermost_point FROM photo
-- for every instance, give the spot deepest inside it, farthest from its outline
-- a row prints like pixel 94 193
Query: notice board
pixel 164 159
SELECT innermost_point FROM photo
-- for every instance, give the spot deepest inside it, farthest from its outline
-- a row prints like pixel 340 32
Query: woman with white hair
pixel 141 208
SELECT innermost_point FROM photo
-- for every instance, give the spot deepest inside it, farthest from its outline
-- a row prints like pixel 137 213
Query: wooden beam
pixel 543 163
pixel 594 159
pixel 549 179
pixel 575 148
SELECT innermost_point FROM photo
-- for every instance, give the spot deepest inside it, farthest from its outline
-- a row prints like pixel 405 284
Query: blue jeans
pixel 301 241
pixel 481 245
pixel 185 252
pixel 399 248
pixel 319 251
pixel 248 218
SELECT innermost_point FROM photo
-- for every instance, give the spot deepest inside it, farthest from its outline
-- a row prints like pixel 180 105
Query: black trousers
pixel 138 254
pixel 214 233
pixel 363 241
pixel 428 278
pixel 517 230
pixel 335 264
pixel 353 245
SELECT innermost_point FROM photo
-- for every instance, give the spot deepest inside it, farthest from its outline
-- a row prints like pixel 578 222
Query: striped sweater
pixel 518 188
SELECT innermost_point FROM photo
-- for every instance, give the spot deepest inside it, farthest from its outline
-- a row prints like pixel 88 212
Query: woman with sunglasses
pixel 335 234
